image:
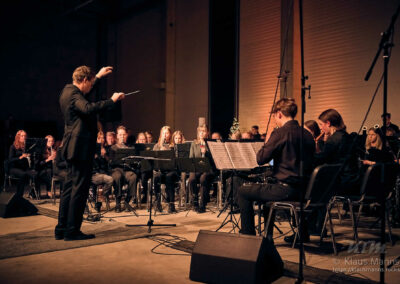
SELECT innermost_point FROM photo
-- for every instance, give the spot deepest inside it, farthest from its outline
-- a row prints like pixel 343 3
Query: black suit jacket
pixel 80 130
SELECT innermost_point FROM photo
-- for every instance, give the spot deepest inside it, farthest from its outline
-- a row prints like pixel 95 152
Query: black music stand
pixel 196 165
pixel 230 217
pixel 151 163
pixel 122 156
pixel 35 147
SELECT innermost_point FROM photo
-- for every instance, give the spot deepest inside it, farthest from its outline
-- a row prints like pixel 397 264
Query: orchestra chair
pixel 55 179
pixel 376 177
pixel 8 178
pixel 319 188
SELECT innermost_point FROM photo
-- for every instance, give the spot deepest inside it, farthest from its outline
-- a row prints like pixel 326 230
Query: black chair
pixel 318 192
pixel 378 179
pixel 8 178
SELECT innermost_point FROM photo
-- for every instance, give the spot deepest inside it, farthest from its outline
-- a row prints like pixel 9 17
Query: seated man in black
pixel 284 147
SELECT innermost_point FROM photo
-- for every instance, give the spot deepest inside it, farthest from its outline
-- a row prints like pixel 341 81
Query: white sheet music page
pixel 220 155
pixel 240 157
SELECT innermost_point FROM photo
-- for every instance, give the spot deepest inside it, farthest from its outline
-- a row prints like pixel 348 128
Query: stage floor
pixel 148 260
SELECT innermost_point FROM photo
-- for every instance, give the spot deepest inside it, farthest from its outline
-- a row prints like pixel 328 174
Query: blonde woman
pixel 164 139
pixel 199 149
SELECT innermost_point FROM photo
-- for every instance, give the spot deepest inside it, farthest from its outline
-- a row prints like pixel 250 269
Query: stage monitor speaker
pixel 12 205
pixel 232 258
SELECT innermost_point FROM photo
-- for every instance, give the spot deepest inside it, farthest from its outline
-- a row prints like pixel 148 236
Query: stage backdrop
pixel 340 41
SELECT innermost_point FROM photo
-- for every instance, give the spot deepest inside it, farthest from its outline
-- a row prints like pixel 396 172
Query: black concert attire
pixel 122 173
pixel 338 149
pixel 169 178
pixel 46 168
pixel 394 127
pixel 285 184
pixel 79 145
pixel 20 168
pixel 204 179
pixel 60 167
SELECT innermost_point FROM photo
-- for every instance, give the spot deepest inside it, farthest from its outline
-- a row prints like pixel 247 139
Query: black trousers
pixel 205 183
pixel 169 178
pixel 120 177
pixel 24 176
pixel 73 197
pixel 248 193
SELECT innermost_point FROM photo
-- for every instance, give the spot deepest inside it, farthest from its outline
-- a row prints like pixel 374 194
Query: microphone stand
pixel 300 276
pixel 150 222
pixel 385 44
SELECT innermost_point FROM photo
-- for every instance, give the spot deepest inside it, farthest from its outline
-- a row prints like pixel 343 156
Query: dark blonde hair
pixel 81 73
pixel 201 127
pixel 334 117
pixel 378 139
pixel 17 144
pixel 177 132
pixel 287 106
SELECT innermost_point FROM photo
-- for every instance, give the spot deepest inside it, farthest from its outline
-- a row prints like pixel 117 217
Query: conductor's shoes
pixel 59 236
pixel 78 236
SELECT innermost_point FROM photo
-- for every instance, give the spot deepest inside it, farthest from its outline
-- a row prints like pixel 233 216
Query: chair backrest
pixel 322 183
pixel 379 179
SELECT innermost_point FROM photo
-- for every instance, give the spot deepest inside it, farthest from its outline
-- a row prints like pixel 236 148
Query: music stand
pixel 122 156
pixel 196 165
pixel 35 147
pixel 151 160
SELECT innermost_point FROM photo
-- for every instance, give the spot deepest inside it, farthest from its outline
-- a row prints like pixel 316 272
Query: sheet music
pixel 220 155
pixel 242 155
pixel 249 154
pixel 257 146
pixel 235 155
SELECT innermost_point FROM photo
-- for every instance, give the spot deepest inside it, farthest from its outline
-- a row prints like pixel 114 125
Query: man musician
pixel 79 145
pixel 283 147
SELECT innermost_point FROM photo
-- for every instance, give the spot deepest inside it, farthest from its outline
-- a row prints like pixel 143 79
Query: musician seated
pixel 319 137
pixel 46 163
pixel 374 152
pixel 163 144
pixel 149 136
pixel 101 171
pixel 283 147
pixel 20 163
pixel 121 174
pixel 337 150
pixel 199 149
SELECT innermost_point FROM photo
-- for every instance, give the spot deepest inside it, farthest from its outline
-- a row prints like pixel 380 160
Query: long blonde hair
pixel 160 142
pixel 378 139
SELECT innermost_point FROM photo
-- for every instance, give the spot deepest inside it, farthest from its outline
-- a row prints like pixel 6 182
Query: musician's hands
pixel 51 157
pixel 103 151
pixel 366 162
pixel 104 72
pixel 117 97
pixel 24 155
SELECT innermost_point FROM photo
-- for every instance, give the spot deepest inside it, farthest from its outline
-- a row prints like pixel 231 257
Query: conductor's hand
pixel 117 97
pixel 104 72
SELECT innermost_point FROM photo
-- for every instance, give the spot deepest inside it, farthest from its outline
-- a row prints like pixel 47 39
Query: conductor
pixel 78 147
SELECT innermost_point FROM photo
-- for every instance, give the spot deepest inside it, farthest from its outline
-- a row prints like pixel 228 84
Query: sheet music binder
pixel 235 155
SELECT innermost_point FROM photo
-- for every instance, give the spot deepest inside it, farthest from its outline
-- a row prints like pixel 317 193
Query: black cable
pixel 281 67
pixel 168 243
